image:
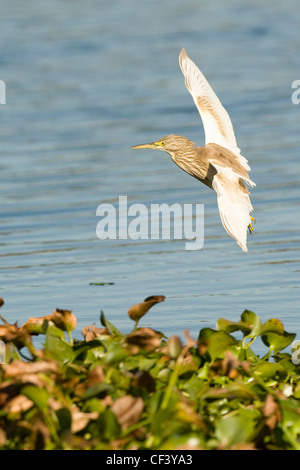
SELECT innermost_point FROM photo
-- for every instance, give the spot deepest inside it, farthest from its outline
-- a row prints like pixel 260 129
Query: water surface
pixel 85 81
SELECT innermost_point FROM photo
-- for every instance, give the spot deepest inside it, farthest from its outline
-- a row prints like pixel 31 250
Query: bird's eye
pixel 161 143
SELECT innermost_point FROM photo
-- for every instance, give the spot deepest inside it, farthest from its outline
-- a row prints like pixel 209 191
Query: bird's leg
pixel 250 226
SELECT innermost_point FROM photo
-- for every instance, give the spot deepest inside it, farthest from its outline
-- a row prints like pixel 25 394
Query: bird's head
pixel 172 144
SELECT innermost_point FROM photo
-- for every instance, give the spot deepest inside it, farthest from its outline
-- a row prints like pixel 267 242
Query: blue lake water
pixel 85 81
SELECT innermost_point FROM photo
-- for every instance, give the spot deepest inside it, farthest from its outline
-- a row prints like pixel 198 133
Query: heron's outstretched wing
pixel 216 121
pixel 234 203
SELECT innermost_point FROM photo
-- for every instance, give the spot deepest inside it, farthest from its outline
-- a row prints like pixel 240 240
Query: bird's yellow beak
pixel 153 145
pixel 144 146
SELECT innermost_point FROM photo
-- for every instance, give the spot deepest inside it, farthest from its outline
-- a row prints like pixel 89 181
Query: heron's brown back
pixel 196 162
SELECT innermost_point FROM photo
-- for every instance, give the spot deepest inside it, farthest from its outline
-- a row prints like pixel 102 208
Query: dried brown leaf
pixel 243 446
pixel 188 361
pixel 139 310
pixel 80 419
pixel 187 413
pixel 145 338
pixel 32 379
pixel 271 411
pixel 18 404
pixel 80 388
pixel 95 375
pixel 2 437
pixel 64 319
pixel 229 366
pixel 202 347
pixel 12 333
pixel 8 390
pixel 189 446
pixel 190 342
pixel 40 430
pixel 54 404
pixel 128 410
pixel 107 401
pixel 144 380
pixel 91 332
pixel 34 325
pixel 18 368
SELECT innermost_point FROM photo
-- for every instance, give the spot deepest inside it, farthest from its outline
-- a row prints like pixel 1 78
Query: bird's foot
pixel 250 226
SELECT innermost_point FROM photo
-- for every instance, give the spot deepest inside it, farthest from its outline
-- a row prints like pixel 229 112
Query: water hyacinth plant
pixel 142 390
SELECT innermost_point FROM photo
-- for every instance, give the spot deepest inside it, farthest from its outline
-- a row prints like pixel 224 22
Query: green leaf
pixel 290 413
pixel 183 368
pixel 109 425
pixel 187 441
pixel 107 324
pixel 194 387
pixel 297 391
pixel 93 404
pixel 65 419
pixel 253 322
pixel 83 347
pixel 230 326
pixel 236 428
pixel 273 325
pixel 140 362
pixel 38 395
pixel 277 342
pixel 165 423
pixel 156 401
pixel 218 344
pixel 97 389
pixel 237 389
pixel 249 324
pixel 115 353
pixel 50 328
pixel 58 349
pixel 205 333
pixel 270 370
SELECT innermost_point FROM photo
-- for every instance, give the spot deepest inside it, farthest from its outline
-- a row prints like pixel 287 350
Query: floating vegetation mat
pixel 143 390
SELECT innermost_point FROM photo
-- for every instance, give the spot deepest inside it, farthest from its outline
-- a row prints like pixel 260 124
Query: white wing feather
pixel 216 121
pixel 234 204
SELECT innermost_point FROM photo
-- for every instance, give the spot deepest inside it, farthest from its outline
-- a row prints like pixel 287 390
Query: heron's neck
pixel 191 160
pixel 185 153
